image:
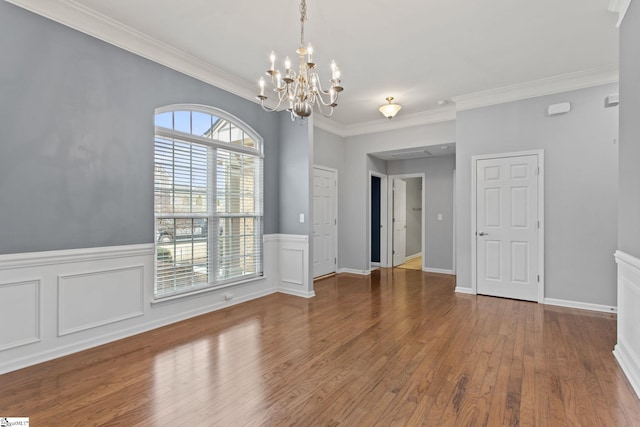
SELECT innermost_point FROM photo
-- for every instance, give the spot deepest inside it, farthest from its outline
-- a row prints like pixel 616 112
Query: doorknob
pixel 482 233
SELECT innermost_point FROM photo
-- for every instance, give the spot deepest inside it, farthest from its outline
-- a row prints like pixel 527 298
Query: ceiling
pixel 420 52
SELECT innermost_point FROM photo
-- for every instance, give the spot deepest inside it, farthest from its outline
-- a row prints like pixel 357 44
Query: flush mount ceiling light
pixel 389 110
pixel 302 90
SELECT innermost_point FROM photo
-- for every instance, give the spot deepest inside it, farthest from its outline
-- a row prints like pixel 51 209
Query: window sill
pixel 175 297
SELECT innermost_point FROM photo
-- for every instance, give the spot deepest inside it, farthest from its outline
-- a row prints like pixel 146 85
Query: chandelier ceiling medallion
pixel 302 89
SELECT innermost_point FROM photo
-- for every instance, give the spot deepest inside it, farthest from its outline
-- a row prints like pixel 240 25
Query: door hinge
pixel 538 170
pixel 538 223
pixel 335 221
pixel 538 278
pixel 393 252
pixel 335 260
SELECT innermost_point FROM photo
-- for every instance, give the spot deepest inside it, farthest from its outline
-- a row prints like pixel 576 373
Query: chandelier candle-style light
pixel 302 89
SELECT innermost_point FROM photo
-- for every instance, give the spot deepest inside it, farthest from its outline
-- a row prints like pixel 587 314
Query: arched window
pixel 207 198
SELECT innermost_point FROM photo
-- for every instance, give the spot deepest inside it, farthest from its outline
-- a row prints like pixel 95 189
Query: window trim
pixel 214 144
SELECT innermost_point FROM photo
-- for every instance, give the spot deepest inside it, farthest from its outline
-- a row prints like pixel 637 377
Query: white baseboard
pixel 629 364
pixel 410 257
pixel 352 271
pixel 297 293
pixel 580 305
pixel 558 302
pixel 438 270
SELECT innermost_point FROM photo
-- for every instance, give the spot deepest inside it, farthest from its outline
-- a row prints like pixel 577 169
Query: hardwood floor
pixel 412 264
pixel 396 348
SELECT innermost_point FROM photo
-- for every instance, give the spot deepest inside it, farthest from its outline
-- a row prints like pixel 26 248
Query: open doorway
pixel 436 211
pixel 378 220
pixel 407 220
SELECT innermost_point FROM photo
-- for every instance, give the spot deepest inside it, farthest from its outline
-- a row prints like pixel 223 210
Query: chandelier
pixel 302 89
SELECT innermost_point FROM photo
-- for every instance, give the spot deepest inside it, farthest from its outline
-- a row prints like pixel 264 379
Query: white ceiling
pixel 420 52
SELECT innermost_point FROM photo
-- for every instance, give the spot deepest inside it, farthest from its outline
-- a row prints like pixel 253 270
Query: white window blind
pixel 208 201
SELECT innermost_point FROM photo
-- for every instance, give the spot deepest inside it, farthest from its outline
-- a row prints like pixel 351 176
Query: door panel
pixel 324 221
pixel 507 227
pixel 399 221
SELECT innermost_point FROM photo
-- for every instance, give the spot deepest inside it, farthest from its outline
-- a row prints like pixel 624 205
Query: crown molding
pixel 74 15
pixel 383 124
pixel 620 7
pixel 329 125
pixel 532 89
pixel 88 21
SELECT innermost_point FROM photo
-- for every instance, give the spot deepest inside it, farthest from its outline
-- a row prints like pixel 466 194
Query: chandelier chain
pixel 303 17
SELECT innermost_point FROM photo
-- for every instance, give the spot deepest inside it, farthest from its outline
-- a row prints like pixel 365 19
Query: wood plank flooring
pixel 396 348
pixel 412 264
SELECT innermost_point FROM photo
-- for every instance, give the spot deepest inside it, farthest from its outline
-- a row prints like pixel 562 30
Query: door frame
pixel 335 212
pixel 390 216
pixel 383 219
pixel 474 229
pixel 455 225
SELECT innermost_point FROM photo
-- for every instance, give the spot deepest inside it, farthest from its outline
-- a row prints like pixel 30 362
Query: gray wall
pixel 581 185
pixel 354 191
pixel 76 137
pixel 439 192
pixel 328 150
pixel 296 160
pixel 414 216
pixel 629 204
pixel 376 165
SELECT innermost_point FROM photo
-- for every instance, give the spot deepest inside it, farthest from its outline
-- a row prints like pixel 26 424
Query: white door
pixel 507 227
pixel 324 221
pixel 399 221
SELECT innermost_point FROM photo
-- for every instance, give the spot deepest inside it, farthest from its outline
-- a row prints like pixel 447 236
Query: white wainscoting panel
pixel 627 349
pixel 294 266
pixel 97 298
pixel 19 313
pixel 69 300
